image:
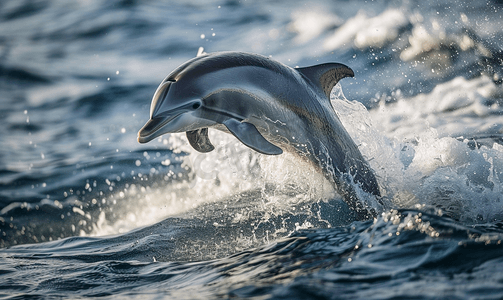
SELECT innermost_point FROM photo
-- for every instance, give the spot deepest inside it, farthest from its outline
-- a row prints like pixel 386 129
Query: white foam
pixel 310 24
pixel 408 145
pixel 225 171
pixel 230 169
pixel 455 108
pixel 421 41
pixel 364 31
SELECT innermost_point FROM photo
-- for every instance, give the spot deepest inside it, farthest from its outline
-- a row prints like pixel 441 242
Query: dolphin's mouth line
pixel 146 134
pixel 158 126
pixel 149 131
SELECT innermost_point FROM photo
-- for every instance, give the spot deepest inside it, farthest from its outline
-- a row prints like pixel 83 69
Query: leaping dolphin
pixel 269 107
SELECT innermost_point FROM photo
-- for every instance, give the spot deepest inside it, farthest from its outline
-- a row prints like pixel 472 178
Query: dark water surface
pixel 86 211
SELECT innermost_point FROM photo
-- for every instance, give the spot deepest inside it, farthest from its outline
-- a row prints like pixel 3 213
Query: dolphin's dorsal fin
pixel 249 135
pixel 199 140
pixel 326 76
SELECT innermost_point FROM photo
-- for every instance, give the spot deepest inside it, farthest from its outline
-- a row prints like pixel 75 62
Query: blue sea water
pixel 86 211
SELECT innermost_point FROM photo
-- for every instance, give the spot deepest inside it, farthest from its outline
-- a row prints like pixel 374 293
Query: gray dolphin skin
pixel 270 108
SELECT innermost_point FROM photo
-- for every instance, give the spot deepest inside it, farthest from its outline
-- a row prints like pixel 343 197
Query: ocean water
pixel 86 211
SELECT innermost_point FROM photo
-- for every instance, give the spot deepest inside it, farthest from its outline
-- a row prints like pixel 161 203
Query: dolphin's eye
pixel 196 105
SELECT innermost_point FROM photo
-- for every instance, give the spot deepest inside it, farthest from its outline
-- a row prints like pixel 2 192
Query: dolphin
pixel 269 107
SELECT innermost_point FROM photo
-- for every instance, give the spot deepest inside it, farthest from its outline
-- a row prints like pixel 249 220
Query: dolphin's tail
pixel 349 170
pixel 348 192
pixel 363 174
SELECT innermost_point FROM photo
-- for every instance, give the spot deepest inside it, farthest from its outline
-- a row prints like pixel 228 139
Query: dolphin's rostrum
pixel 269 107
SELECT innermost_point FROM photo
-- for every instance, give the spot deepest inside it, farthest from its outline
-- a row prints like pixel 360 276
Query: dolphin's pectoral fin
pixel 199 140
pixel 248 134
pixel 326 76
